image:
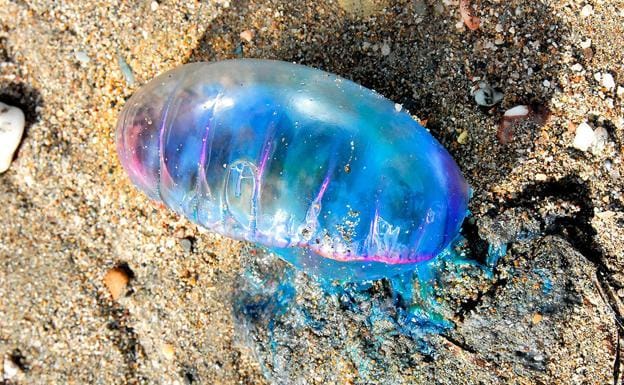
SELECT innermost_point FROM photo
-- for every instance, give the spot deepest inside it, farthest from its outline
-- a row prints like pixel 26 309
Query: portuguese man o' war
pixel 329 175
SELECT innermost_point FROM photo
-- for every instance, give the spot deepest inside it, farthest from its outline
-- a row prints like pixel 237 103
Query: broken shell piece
pixel 517 112
pixel 467 15
pixel 247 35
pixel 607 81
pixel 487 96
pixel 601 137
pixel 537 115
pixel 11 130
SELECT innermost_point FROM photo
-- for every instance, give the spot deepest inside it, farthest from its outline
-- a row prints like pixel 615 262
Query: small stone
pixel 12 123
pixel 610 103
pixel 601 137
pixel 584 137
pixel 10 368
pixel 168 351
pixel 116 280
pixel 186 244
pixel 126 71
pixel 586 44
pixel 154 6
pixel 598 76
pixel 587 11
pixel 620 91
pixel 82 57
pixel 537 318
pixel 608 164
pixel 463 137
pixel 541 177
pixel 607 81
pixel 487 96
pixel 546 83
pixel 385 49
pixel 577 67
pixel 247 35
pixel 398 107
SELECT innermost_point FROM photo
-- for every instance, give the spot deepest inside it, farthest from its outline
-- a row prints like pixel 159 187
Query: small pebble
pixel 125 70
pixel 247 35
pixel 385 49
pixel 607 81
pixel 10 369
pixel 587 11
pixel 601 137
pixel 12 123
pixel 577 67
pixel 620 91
pixel 487 96
pixel 586 44
pixel 541 177
pixel 463 137
pixel 608 165
pixel 584 137
pixel 168 351
pixel 116 280
pixel 537 318
pixel 82 57
pixel 154 6
pixel 186 244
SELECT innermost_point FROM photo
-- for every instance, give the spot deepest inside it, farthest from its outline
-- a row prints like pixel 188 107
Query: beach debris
pixel 536 115
pixel 10 369
pixel 463 137
pixel 468 16
pixel 186 244
pixel 385 49
pixel 82 57
pixel 116 280
pixel 12 122
pixel 168 351
pixel 601 137
pixel 510 118
pixel 587 11
pixel 485 95
pixel 607 81
pixel 125 70
pixel 584 137
pixel 247 35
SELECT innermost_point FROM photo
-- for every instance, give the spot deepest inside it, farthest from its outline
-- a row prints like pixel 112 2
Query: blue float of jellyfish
pixel 329 175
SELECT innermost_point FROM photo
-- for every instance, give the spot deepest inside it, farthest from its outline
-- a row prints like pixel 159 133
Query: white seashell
pixel 487 96
pixel 517 112
pixel 11 130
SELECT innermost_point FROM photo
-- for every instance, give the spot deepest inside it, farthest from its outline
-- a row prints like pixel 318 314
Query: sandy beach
pixel 70 215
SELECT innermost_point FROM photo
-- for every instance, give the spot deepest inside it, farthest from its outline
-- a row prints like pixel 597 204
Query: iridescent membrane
pixel 329 175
